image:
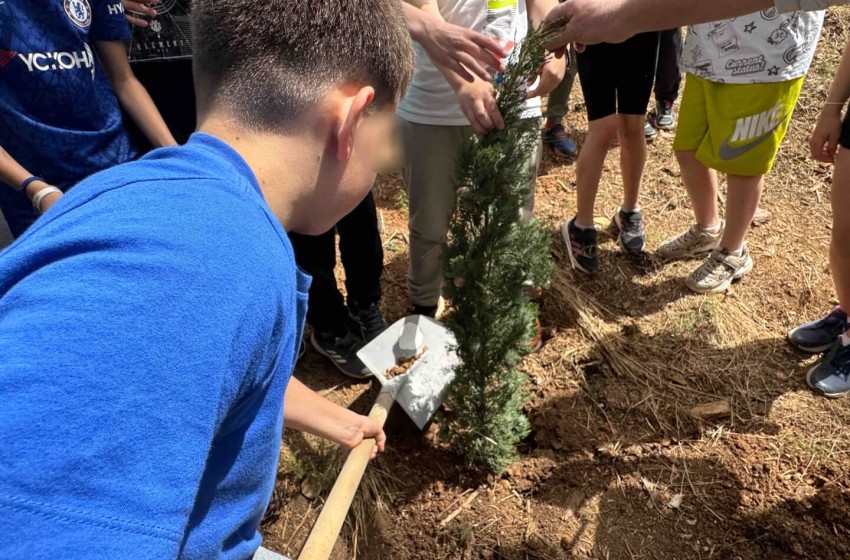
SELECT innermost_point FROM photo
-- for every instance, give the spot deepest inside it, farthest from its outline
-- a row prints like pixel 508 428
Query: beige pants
pixel 429 176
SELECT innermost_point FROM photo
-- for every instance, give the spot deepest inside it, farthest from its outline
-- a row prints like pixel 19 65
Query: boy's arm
pixel 141 7
pixel 824 140
pixel 306 411
pixel 614 21
pixel 14 174
pixel 462 50
pixel 554 68
pixel 132 94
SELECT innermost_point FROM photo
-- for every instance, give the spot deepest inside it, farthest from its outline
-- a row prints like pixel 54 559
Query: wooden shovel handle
pixel 325 532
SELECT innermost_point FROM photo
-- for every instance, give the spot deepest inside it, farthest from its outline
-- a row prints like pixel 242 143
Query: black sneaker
pixel 368 318
pixel 819 335
pixel 341 350
pixel 628 226
pixel 582 247
pixel 831 376
pixel 665 118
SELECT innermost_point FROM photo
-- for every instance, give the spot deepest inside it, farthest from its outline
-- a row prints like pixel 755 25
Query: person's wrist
pixel 32 185
pixel 831 109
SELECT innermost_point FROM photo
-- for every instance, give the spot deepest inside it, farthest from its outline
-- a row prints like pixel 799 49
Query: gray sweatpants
pixel 429 177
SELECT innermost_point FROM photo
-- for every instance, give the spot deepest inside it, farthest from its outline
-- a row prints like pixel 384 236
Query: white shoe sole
pixel 740 273
pixel 565 235
pixel 818 391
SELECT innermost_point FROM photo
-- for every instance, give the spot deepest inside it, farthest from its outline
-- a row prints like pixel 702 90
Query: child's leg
pixel 742 199
pixel 429 176
pixel 701 184
pixel 632 157
pixel 532 164
pixel 600 134
pixel 839 248
pixel 362 253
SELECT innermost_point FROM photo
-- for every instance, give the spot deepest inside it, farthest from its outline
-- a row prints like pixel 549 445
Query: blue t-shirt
pixel 59 116
pixel 149 324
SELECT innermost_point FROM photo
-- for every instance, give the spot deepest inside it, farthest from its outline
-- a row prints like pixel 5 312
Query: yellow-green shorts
pixel 735 128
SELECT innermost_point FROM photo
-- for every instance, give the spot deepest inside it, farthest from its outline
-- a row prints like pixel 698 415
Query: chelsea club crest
pixel 79 12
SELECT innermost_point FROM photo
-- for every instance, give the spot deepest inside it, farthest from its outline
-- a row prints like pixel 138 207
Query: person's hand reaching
pixel 131 9
pixel 551 74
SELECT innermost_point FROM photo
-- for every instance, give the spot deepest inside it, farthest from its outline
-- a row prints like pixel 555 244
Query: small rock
pixel 675 502
pixel 310 488
pixel 711 410
pixel 761 217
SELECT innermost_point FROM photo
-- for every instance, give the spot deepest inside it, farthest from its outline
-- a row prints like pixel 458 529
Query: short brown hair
pixel 268 61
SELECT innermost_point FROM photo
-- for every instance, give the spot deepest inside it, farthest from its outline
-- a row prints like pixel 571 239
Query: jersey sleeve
pixel 109 22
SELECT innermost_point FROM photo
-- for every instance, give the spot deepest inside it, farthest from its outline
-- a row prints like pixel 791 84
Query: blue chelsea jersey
pixel 59 116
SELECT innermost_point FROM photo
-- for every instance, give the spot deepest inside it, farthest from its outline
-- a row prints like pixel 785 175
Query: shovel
pixel 419 391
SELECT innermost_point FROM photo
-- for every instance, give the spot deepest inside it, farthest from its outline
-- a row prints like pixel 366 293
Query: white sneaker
pixel 695 241
pixel 718 272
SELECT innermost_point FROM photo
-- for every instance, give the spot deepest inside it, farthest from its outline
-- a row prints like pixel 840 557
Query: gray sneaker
pixel 665 117
pixel 831 376
pixel 718 272
pixel 628 226
pixel 692 243
pixel 649 132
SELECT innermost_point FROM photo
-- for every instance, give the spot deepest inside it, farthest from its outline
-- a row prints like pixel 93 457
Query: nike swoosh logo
pixel 727 152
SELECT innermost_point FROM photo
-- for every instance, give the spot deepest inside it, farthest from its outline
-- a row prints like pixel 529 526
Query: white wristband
pixel 38 197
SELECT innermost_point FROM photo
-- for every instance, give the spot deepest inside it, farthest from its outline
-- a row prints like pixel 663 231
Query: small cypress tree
pixel 489 258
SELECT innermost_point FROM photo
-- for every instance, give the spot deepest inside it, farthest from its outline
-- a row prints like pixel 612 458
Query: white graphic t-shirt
pixel 430 99
pixel 762 47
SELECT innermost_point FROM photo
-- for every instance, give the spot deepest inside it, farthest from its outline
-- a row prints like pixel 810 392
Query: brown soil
pixel 618 464
pixel 403 365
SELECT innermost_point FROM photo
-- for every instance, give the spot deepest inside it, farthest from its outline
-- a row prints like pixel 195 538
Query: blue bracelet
pixel 26 183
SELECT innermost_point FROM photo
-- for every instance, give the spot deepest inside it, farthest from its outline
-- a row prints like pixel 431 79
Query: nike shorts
pixel 735 128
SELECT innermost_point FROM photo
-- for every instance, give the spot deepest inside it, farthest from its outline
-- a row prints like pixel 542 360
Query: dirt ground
pixel 616 465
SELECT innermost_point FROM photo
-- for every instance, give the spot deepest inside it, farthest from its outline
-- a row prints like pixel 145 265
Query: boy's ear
pixel 356 111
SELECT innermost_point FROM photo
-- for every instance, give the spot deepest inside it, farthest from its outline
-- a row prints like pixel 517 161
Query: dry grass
pixel 612 391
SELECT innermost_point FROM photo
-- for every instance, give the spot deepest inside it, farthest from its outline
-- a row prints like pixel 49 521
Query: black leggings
pixel 618 78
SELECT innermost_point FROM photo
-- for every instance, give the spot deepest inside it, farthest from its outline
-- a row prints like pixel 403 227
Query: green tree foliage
pixel 490 258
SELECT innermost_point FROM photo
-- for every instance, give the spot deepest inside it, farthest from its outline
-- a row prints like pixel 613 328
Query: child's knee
pixel 630 128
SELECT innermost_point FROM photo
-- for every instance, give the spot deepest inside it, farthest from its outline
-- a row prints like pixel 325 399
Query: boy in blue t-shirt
pixel 63 72
pixel 150 321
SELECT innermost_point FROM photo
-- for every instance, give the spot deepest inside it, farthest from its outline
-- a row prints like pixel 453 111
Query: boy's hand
pixel 478 103
pixel 551 74
pixel 141 7
pixel 362 428
pixel 824 141
pixel 461 50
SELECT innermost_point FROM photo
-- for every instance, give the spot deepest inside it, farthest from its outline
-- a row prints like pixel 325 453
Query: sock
pixel 712 229
pixel 737 252
pixel 845 340
pixel 581 226
pixel 630 210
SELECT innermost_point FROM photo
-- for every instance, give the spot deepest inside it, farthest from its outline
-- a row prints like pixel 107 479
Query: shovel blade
pixel 420 391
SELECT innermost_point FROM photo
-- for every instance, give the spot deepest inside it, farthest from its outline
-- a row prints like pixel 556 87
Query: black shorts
pixel 617 78
pixel 844 139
